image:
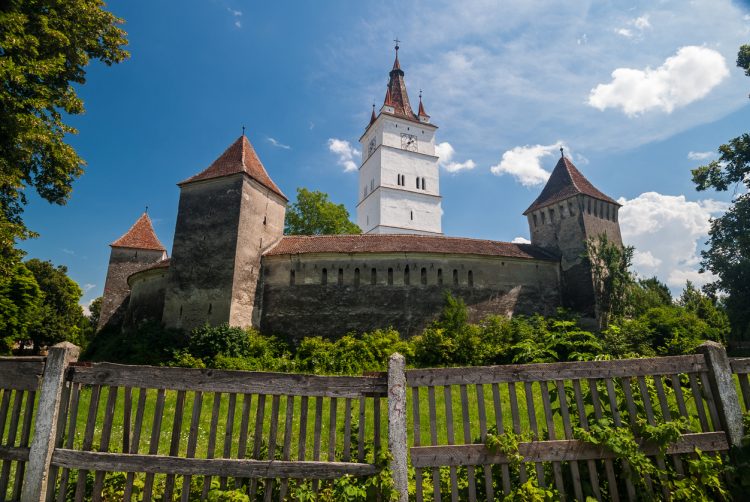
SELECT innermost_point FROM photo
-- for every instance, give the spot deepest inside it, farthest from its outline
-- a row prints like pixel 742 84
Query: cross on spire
pixel 397 42
pixel 561 152
pixel 243 129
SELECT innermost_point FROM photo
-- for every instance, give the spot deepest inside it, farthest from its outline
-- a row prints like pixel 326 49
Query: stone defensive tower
pixel 139 248
pixel 227 216
pixel 569 211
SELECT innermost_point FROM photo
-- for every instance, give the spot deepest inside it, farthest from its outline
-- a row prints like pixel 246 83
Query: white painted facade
pixel 399 179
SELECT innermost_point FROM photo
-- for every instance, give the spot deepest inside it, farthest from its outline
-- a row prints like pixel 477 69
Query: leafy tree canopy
pixel 728 253
pixel 610 270
pixel 314 214
pixel 59 316
pixel 45 46
pixel 20 302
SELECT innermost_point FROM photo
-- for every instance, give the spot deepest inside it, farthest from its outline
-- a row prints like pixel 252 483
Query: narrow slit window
pixel 534 217
pixel 551 215
pixel 324 277
pixel 544 219
pixel 406 275
pixel 390 276
pixel 423 276
pixel 417 182
pixel 411 214
pixel 471 279
pixel 341 277
pixel 424 184
pixel 455 277
pixel 291 278
pixel 210 308
pixel 440 277
pixel 356 277
pixel 374 276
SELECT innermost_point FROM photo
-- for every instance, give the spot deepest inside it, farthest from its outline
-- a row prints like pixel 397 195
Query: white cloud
pixel 700 155
pixel 641 22
pixel 625 32
pixel 687 76
pixel 446 152
pixel 238 24
pixel 521 240
pixel 88 287
pixel 666 231
pixel 346 153
pixel 524 163
pixel 235 13
pixel 278 144
pixel 68 251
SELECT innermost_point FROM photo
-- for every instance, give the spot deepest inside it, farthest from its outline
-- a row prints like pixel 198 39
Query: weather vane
pixel 561 152
pixel 243 130
pixel 397 42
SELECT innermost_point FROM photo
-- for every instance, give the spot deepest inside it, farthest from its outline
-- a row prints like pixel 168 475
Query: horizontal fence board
pixel 740 364
pixel 240 382
pixel 551 451
pixel 239 468
pixel 17 453
pixel 556 371
pixel 21 373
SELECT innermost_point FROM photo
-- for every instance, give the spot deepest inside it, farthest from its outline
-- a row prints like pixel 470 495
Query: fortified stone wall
pixel 332 294
pixel 122 263
pixel 146 296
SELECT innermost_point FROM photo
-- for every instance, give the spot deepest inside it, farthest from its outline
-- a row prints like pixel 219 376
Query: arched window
pixel 411 214
pixel 534 217
pixel 210 308
pixel 390 276
pixel 440 277
pixel 424 184
pixel 406 275
pixel 544 219
pixel 324 277
pixel 417 181
pixel 356 277
pixel 341 277
pixel 374 276
pixel 291 277
pixel 455 277
pixel 471 279
pixel 423 276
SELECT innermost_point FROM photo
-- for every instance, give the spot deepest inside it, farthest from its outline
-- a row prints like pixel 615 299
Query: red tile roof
pixel 396 243
pixel 239 157
pixel 564 182
pixel 396 95
pixel 421 112
pixel 140 236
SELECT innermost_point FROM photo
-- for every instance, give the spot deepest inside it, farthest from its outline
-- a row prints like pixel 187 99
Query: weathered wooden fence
pixel 185 430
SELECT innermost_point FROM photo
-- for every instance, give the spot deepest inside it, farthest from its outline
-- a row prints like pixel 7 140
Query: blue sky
pixel 638 93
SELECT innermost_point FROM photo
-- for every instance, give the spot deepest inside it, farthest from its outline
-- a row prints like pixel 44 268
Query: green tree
pixel 95 310
pixel 314 214
pixel 20 300
pixel 59 316
pixel 728 252
pixel 646 294
pixel 610 270
pixel 45 48
pixel 707 309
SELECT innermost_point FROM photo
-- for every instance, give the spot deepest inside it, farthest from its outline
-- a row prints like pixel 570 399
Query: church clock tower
pixel 399 179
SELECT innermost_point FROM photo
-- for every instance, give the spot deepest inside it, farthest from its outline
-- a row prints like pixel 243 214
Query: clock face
pixel 371 148
pixel 409 142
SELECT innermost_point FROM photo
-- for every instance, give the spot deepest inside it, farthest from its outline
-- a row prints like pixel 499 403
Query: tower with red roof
pixel 399 179
pixel 227 216
pixel 137 249
pixel 568 211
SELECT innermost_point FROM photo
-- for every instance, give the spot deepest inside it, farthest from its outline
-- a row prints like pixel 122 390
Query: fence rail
pixel 184 429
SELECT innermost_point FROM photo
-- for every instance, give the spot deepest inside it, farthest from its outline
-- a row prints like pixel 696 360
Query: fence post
pixel 397 424
pixel 45 429
pixel 724 391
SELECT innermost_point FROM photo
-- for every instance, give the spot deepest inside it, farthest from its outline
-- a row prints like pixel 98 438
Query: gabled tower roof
pixel 396 95
pixel 240 157
pixel 566 181
pixel 140 236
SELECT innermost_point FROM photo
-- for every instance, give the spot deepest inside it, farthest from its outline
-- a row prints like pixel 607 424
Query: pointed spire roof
pixel 240 157
pixel 421 112
pixel 140 236
pixel 396 95
pixel 373 117
pixel 566 181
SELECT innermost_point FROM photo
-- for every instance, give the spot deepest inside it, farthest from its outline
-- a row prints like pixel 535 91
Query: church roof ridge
pixel 240 157
pixel 566 181
pixel 140 236
pixel 397 243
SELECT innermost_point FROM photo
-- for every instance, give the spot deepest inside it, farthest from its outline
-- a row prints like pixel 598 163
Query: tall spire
pixel 396 95
pixel 421 112
pixel 396 64
pixel 373 117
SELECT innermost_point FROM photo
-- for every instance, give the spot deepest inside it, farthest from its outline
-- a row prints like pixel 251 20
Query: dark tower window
pixel 291 277
pixel 544 219
pixel 455 277
pixel 356 277
pixel 471 279
pixel 390 276
pixel 424 184
pixel 341 277
pixel 570 208
pixel 588 206
pixel 374 276
pixel 406 275
pixel 324 277
pixel 417 182
pixel 264 220
pixel 534 217
pixel 411 213
pixel 423 276
pixel 440 277
pixel 210 308
pixel 551 215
